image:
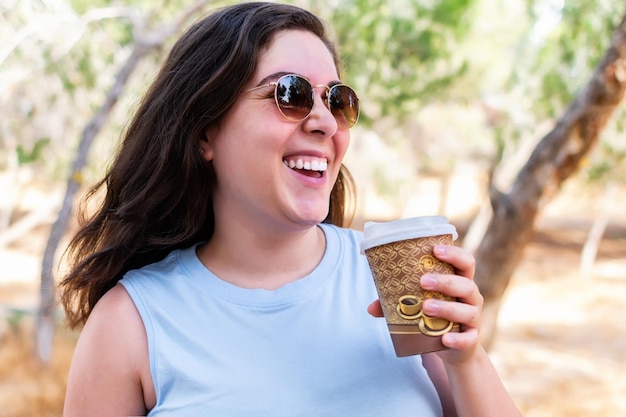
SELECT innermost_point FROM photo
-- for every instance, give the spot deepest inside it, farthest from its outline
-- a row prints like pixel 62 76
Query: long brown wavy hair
pixel 158 189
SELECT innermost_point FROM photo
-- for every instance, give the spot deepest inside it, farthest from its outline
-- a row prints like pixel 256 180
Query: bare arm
pixel 475 386
pixel 110 371
pixel 437 374
pixel 477 389
pixel 466 380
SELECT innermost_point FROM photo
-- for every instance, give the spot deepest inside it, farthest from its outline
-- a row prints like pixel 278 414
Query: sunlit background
pixel 452 90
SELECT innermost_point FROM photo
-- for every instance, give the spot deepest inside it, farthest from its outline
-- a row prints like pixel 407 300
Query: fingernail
pixel 451 337
pixel 432 307
pixel 428 281
pixel 440 249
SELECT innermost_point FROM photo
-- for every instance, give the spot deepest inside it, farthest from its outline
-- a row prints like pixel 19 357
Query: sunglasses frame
pixel 328 88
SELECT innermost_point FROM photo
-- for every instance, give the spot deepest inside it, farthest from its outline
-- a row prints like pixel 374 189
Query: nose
pixel 321 119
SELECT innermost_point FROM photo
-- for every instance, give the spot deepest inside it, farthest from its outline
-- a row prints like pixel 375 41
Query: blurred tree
pixel 556 158
pixel 609 169
pixel 143 42
pixel 401 54
pixel 569 55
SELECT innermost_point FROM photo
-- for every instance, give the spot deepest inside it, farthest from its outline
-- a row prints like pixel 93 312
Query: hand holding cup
pixel 403 254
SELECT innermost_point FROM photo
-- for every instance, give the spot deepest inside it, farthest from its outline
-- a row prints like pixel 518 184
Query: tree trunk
pixel 594 237
pixel 45 314
pixel 145 44
pixel 556 158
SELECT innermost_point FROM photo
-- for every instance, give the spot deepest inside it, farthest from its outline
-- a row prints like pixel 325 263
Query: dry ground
pixel 561 346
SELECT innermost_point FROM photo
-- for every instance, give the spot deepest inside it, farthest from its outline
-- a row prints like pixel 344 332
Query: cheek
pixel 342 142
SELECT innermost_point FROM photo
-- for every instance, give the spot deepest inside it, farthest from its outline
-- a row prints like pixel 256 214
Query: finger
pixel 375 309
pixel 468 316
pixel 461 341
pixel 463 289
pixel 462 261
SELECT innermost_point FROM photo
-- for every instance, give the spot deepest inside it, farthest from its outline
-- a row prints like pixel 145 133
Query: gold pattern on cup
pixel 434 326
pixel 409 307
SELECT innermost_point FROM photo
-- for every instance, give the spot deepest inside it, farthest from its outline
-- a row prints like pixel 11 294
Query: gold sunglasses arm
pixel 272 84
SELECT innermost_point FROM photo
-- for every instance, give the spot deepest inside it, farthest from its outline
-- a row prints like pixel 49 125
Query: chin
pixel 311 219
pixel 313 222
pixel 308 214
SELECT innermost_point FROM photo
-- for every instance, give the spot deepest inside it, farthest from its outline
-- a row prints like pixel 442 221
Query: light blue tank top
pixel 308 348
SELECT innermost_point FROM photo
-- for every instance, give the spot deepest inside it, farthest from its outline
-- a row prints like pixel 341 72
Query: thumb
pixel 375 309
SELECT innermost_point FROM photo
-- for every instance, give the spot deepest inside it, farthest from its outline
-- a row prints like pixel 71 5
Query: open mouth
pixel 309 166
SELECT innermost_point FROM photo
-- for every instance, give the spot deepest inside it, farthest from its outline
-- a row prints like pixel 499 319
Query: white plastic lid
pixel 381 233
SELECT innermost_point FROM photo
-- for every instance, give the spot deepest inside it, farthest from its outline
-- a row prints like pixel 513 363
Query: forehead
pixel 300 52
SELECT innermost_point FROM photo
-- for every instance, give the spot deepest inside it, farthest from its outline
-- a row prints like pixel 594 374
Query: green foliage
pixel 35 154
pixel 82 6
pixel 555 92
pixel 452 14
pixel 16 318
pixel 567 55
pixel 608 164
pixel 400 55
pixel 555 60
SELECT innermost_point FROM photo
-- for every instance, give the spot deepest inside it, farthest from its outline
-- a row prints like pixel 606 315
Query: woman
pixel 215 278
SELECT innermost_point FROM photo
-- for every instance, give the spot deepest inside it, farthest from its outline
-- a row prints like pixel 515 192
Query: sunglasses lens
pixel 295 99
pixel 344 104
pixel 294 96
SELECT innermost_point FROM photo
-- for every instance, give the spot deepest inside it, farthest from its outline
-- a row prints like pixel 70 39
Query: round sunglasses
pixel 294 96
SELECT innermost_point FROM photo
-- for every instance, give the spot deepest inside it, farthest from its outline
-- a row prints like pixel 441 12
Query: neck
pixel 263 259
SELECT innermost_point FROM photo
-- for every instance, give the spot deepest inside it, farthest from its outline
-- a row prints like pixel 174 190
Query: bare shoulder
pixel 116 304
pixel 110 371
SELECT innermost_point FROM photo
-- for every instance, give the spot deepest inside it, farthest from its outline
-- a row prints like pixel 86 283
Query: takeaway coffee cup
pixel 399 252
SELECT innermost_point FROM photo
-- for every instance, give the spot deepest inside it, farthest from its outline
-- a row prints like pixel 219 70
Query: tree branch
pixel 143 45
pixel 556 158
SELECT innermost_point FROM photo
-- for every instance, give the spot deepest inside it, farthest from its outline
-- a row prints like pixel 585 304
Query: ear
pixel 206 143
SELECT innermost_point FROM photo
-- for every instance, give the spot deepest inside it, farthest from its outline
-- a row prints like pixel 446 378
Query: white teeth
pixel 312 165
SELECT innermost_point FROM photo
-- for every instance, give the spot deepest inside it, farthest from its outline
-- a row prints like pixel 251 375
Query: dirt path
pixel 561 347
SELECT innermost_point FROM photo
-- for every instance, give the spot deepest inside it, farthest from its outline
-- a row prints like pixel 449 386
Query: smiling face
pixel 273 172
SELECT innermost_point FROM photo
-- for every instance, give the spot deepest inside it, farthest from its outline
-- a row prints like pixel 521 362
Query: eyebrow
pixel 275 76
pixel 272 77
